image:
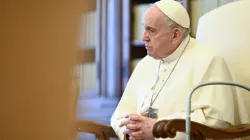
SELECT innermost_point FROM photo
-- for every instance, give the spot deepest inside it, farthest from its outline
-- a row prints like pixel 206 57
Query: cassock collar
pixel 176 54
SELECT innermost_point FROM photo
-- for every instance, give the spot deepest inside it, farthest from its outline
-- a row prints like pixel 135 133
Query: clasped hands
pixel 138 126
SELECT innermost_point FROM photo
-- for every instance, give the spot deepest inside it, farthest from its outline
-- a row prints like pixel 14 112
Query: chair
pixel 227 29
pixel 101 131
pixel 168 129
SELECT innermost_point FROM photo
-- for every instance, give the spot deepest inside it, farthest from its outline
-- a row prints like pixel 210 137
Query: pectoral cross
pixel 152 113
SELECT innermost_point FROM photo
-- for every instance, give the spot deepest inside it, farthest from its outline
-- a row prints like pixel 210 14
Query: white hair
pixel 170 22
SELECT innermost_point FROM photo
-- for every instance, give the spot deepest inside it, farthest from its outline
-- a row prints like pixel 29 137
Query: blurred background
pixel 47 44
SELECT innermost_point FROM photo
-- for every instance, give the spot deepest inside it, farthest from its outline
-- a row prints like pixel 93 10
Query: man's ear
pixel 177 36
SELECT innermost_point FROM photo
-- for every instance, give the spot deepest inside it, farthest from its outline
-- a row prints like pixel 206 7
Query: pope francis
pixel 161 81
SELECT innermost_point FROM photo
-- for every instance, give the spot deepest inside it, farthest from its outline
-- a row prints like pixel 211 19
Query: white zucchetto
pixel 175 11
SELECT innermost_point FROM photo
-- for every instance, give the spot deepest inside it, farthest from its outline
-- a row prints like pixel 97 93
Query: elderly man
pixel 175 64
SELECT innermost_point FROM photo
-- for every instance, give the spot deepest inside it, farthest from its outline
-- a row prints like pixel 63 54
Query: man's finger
pixel 135 118
pixel 127 131
pixel 133 126
pixel 124 122
pixel 128 115
pixel 131 138
pixel 144 114
pixel 137 134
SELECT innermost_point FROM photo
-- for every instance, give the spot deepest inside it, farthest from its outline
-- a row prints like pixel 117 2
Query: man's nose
pixel 145 36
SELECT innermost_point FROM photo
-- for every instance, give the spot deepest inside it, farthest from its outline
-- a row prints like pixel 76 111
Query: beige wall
pixel 195 13
pixel 37 51
pixel 88 76
pixel 197 8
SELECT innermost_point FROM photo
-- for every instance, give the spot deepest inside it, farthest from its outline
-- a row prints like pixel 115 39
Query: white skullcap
pixel 175 11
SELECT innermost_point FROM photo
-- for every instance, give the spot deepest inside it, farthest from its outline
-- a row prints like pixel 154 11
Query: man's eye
pixel 150 29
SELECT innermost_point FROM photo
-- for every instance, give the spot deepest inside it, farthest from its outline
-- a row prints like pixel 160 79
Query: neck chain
pixel 153 100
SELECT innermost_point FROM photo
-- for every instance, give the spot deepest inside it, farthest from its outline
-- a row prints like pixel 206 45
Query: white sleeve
pixel 126 106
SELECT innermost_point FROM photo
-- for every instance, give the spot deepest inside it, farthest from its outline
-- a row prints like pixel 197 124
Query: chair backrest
pixel 227 28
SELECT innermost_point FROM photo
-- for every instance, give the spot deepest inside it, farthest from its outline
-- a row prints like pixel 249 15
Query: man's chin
pixel 153 56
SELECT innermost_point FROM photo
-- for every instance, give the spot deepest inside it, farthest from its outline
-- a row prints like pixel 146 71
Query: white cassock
pixel 216 106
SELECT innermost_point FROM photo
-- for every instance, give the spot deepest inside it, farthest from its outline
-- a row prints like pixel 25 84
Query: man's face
pixel 157 35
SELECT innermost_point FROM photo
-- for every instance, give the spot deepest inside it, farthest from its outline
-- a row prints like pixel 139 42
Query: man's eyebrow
pixel 148 26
